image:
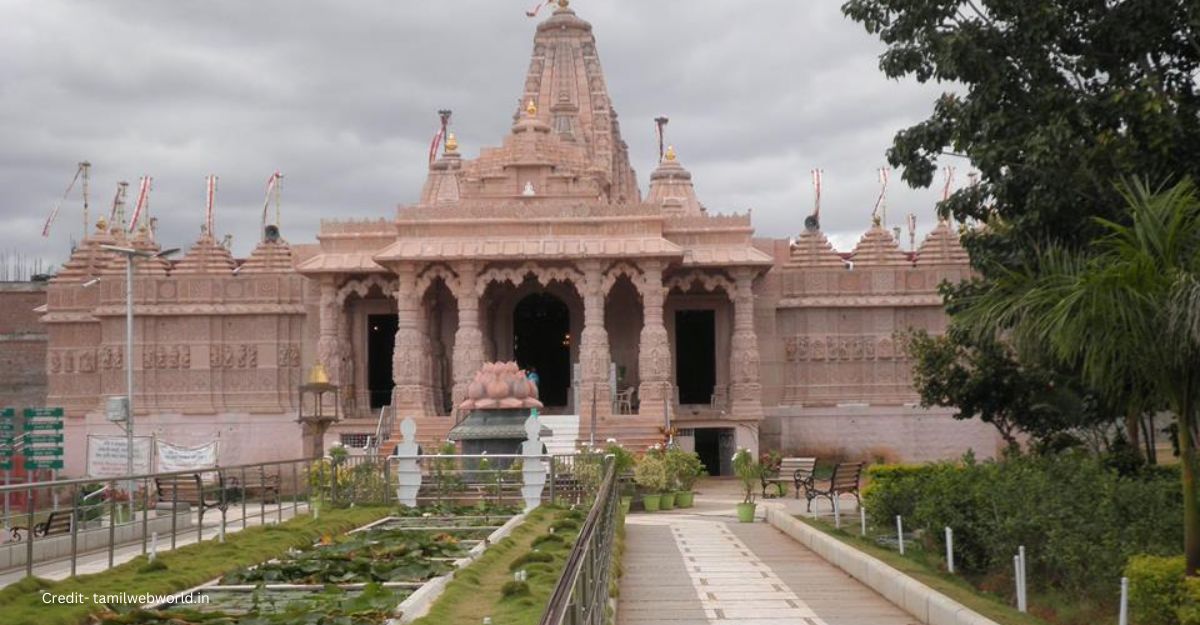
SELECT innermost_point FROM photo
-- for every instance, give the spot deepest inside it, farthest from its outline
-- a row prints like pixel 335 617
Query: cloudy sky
pixel 342 98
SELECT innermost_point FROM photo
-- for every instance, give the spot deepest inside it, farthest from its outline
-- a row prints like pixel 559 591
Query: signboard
pixel 34 439
pixel 41 451
pixel 7 426
pixel 44 464
pixel 6 465
pixel 179 458
pixel 107 455
pixel 34 413
pixel 34 426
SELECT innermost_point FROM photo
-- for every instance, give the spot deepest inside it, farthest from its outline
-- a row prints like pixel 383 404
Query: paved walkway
pixel 700 566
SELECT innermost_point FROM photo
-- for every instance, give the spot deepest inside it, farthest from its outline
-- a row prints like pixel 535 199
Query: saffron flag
pixel 271 182
pixel 437 142
pixel 535 10
pixel 208 205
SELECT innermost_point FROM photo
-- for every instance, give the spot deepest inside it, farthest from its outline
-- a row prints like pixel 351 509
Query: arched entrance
pixel 542 339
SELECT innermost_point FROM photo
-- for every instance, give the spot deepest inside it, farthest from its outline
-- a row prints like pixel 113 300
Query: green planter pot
pixel 684 499
pixel 668 501
pixel 651 502
pixel 625 503
pixel 745 512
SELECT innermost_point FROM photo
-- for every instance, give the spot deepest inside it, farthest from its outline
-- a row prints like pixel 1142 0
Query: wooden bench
pixel 797 471
pixel 190 489
pixel 256 481
pixel 59 522
pixel 844 481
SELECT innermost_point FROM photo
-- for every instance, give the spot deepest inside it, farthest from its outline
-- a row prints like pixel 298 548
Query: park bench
pixel 190 489
pixel 256 481
pixel 845 480
pixel 59 522
pixel 797 471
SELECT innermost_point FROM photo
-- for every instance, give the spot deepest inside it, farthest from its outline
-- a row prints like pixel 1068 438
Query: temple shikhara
pixel 638 307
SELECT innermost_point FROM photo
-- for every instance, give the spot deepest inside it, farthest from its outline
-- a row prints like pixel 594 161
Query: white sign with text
pixel 180 458
pixel 108 456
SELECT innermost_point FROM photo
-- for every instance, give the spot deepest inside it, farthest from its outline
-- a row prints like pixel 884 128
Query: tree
pixel 1054 99
pixel 981 377
pixel 1126 312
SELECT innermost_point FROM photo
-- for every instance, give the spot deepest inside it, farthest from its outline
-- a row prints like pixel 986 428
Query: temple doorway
pixel 381 342
pixel 542 339
pixel 695 355
pixel 715 446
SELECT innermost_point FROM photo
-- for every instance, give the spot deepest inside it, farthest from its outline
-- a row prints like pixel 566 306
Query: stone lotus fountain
pixel 499 401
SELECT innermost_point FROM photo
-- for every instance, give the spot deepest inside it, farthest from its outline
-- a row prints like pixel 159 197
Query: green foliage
pixel 515 589
pixel 749 471
pixel 373 606
pixel 1078 519
pixel 623 458
pixel 388 555
pixel 529 558
pixel 683 468
pixel 1156 589
pixel 1052 101
pixel 651 472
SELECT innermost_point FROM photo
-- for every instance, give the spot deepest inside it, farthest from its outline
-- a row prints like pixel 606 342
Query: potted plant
pixel 750 472
pixel 624 465
pixel 685 468
pixel 651 474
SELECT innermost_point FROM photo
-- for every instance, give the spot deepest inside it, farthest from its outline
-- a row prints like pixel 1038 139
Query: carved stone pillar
pixel 327 341
pixel 745 389
pixel 654 349
pixel 594 356
pixel 412 396
pixel 468 340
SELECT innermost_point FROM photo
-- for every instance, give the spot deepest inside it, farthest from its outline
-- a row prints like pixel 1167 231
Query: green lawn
pixel 486 586
pixel 954 587
pixel 173 571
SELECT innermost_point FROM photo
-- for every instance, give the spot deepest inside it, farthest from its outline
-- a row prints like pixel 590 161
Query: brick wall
pixel 22 345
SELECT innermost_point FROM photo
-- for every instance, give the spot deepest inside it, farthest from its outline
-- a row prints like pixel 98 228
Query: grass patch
pixel 173 571
pixel 954 587
pixel 486 586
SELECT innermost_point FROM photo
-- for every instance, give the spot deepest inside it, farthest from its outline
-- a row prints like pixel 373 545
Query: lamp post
pixel 131 255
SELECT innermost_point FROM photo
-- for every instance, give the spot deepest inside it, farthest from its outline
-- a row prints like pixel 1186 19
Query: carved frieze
pixel 167 357
pixel 848 348
pixel 289 355
pixel 233 357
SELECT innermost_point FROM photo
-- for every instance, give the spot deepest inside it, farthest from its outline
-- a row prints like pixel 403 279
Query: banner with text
pixel 107 456
pixel 180 458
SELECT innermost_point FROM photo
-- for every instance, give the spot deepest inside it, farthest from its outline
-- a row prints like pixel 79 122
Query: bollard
pixel 1023 597
pixel 1017 578
pixel 153 547
pixel 837 513
pixel 1123 617
pixel 949 550
pixel 900 533
pixel 862 520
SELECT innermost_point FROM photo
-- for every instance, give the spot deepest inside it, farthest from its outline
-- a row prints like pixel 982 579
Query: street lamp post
pixel 131 255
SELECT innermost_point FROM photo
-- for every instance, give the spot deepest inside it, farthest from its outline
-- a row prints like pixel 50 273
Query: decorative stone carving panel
pixel 166 357
pixel 847 348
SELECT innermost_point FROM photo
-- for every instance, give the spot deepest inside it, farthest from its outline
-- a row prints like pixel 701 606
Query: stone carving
pixel 408 474
pixel 55 362
pixel 533 472
pixel 87 361
pixel 516 275
pixel 706 281
pixel 363 286
pixel 500 385
pixel 840 348
pixel 233 357
pixel 167 357
pixel 289 355
pixel 623 269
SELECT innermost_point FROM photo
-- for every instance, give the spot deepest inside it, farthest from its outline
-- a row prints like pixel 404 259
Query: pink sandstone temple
pixel 635 309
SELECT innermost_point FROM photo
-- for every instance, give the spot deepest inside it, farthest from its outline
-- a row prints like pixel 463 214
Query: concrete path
pixel 700 566
pixel 97 561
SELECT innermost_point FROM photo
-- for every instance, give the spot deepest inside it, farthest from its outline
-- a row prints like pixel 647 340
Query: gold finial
pixel 670 155
pixel 531 108
pixel 451 143
pixel 562 4
pixel 102 225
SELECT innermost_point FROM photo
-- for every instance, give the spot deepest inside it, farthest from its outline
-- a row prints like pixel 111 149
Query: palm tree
pixel 1126 311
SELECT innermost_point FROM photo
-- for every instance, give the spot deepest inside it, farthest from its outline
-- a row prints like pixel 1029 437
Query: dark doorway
pixel 381 342
pixel 695 355
pixel 542 339
pixel 715 448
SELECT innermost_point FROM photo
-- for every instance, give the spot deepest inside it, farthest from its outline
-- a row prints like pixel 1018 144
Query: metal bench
pixel 59 522
pixel 256 481
pixel 797 471
pixel 844 481
pixel 190 489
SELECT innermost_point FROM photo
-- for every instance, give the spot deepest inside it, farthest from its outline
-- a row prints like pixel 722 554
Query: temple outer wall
pixel 23 341
pixel 876 433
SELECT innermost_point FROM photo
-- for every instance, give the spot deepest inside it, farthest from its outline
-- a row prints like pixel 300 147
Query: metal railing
pixel 582 594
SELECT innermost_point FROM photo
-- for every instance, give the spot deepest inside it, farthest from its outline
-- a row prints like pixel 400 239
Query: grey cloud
pixel 342 98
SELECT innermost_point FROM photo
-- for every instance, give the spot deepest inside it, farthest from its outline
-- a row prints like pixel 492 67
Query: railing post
pixel 295 491
pixel 75 518
pixel 243 497
pixel 112 521
pixel 553 479
pixel 175 514
pixel 278 495
pixel 145 513
pixel 29 530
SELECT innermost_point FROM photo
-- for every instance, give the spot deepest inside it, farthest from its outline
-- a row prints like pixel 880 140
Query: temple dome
pixel 812 249
pixel 878 247
pixel 671 188
pixel 206 257
pixel 269 256
pixel 942 247
pixel 88 259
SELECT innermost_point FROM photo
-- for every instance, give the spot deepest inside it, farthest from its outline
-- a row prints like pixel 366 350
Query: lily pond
pixel 360 577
